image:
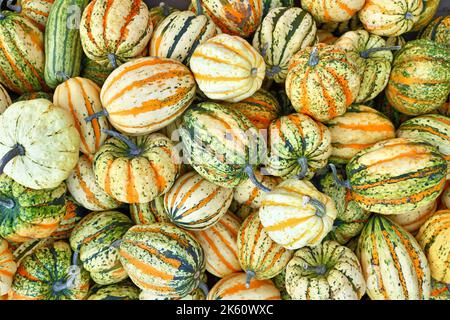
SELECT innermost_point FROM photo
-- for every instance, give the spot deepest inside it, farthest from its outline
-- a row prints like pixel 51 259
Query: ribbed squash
pixel 7 267
pixel 383 105
pixel 241 210
pixel 328 271
pixel 44 274
pixel 395 41
pixel 74 213
pixel 95 240
pixel 136 169
pixel 162 259
pixel 219 242
pixel 339 28
pixel 295 214
pixel 35 95
pixel 438 30
pixel 95 72
pixel 233 287
pixel 227 68
pixel 396 175
pixel 434 238
pixel 29 247
pixel 393 264
pixel 357 129
pixel 150 212
pixel 247 194
pixel 322 81
pixel 125 290
pixel 429 10
pixel 420 77
pixel 390 18
pixel 113 32
pixel 439 291
pixel 373 59
pixel 333 10
pixel 5 100
pixel 280 282
pixel 271 4
pixel 325 36
pixel 36 11
pixel 299 146
pixel 194 203
pixel 159 13
pixel 412 220
pixel 282 33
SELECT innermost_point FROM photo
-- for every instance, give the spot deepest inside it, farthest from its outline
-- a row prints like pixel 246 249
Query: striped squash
pixel 412 220
pixel 322 81
pixel 396 175
pixel 233 287
pixel 395 41
pixel 420 77
pixel 21 54
pixel 438 30
pixel 124 290
pixel 429 10
pixel 325 36
pixel 194 203
pixel 434 238
pixel 95 72
pixel 35 95
pixel 219 242
pixel 383 105
pixel 5 100
pixel 295 214
pixel 42 275
pixel 221 144
pixel 74 213
pixel 136 169
pixel 271 4
pixel 241 210
pixel 36 11
pixel 239 18
pixel 227 68
pixel 29 247
pixel 298 145
pixel 439 291
pixel 178 35
pixel 328 271
pixel 94 239
pixel 149 212
pixel 373 59
pixel 259 256
pixel 357 129
pixel 390 18
pixel 280 282
pixel 282 33
pixel 81 97
pixel 261 108
pixel 27 213
pixel 62 42
pixel 247 194
pixel 159 13
pixel 332 10
pixel 162 259
pixel 113 32
pixel 7 267
pixel 339 28
pixel 393 264
pixel 146 94
pixel 197 294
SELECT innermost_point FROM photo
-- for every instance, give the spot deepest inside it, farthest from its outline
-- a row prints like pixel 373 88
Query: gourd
pixel 383 105
pixel 325 36
pixel 95 72
pixel 412 220
pixel 150 212
pixel 339 28
pixel 7 267
pixel 280 282
pixel 429 10
pixel 159 13
pixel 35 95
pixel 74 213
pixel 437 30
pixel 439 291
pixel 333 10
pixel 36 11
pixel 124 290
pixel 445 198
pixel 247 194
pixel 271 4
pixel 5 100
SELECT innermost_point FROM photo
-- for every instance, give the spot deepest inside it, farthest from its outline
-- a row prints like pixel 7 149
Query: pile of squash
pixel 236 150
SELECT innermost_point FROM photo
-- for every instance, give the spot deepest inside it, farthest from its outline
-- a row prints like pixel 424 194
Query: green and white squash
pixel 8 267
pixel 271 4
pixel 124 290
pixel 5 100
pixel 438 30
pixel 246 194
pixel 35 95
pixel 95 72
pixel 149 212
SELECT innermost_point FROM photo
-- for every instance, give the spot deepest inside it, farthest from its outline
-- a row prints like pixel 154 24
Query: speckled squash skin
pixel 289 217
pixel 339 28
pixel 434 238
pixel 439 291
pixel 197 294
pixel 8 267
pixel 280 282
pixel 38 272
pixel 271 4
pixel 357 129
pixel 429 10
pixel 35 95
pixel 420 79
pixel 241 210
pixel 311 89
pixel 332 10
pixel 390 17
pixel 5 100
pixel 438 31
pixel 328 271
pixel 382 104
pixel 393 264
pixel 282 33
pixel 36 11
pixel 162 259
pixel 159 13
pixel 247 194
pixel 95 72
pixel 136 179
pixel 149 212
pixel 297 137
pixel 74 213
pixel 232 287
pixel 124 290
pixel 412 220
pixel 396 175
pixel 219 243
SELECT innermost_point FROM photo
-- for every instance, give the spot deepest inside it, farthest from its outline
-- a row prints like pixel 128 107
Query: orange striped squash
pixel 194 203
pixel 149 212
pixel 81 97
pixel 7 267
pixel 227 68
pixel 429 10
pixel 439 291
pixel 74 213
pixel 242 211
pixel 412 220
pixel 36 11
pixel 333 10
pixel 146 94
pixel 247 194
pixel 5 100
pixel 233 287
pixel 159 13
pixel 220 245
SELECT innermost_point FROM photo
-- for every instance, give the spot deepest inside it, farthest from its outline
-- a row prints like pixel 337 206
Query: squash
pixel 412 220
pixel 47 151
pixel 420 79
pixel 395 41
pixel 325 36
pixel 373 59
pixel 233 287
pixel 247 194
pixel 159 13
pixel 322 81
pixel 95 72
pixel 219 242
pixel 74 213
pixel 430 8
pixel 136 169
pixel 35 95
pixel 280 282
pixel 227 68
pixel 113 32
pixel 357 129
pixel 29 247
pixel 124 290
pixel 7 267
pixel 47 274
pixel 438 30
pixel 434 237
pixel 445 198
pixel 390 18
pixel 332 10
pixel 271 4
pixel 36 11
pixel 339 28
pixel 439 291
pixel 162 259
pixel 197 294
pixel 393 264
pixel 383 105
pixel 5 100
pixel 282 33
pixel 259 256
pixel 150 212
pixel 299 146
pixel 295 214
pixel 241 210
pixel 95 239
pixel 328 271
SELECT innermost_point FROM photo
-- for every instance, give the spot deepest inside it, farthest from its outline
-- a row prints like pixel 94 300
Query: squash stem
pixel 320 270
pixel 63 75
pixel 116 244
pixel 251 175
pixel 320 208
pixel 165 9
pixel 18 150
pixel 303 162
pixel 365 54
pixel 202 286
pixel 409 16
pixel 73 276
pixel 250 275
pixel 198 5
pixel 345 184
pixel 314 57
pixel 11 6
pixel 103 113
pixel 7 203
pixel 113 60
pixel 273 71
pixel 134 149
